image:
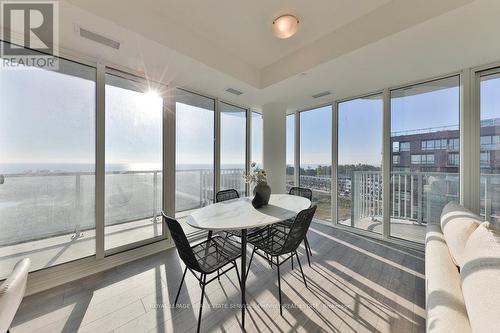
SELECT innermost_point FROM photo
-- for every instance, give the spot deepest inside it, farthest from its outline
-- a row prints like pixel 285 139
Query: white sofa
pixel 12 292
pixel 462 273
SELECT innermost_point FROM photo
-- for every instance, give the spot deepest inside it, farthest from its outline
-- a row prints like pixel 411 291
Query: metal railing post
pixel 399 195
pixel 412 197
pixel 420 198
pixel 393 184
pixel 155 195
pixel 406 197
pixel 201 187
pixel 77 209
pixel 354 204
pixel 487 197
pixel 427 190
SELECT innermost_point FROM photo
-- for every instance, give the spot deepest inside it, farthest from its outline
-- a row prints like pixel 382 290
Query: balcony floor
pixel 400 228
pixel 355 284
pixel 55 250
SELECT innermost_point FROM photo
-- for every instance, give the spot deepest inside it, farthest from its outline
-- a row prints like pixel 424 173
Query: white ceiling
pixel 346 46
pixel 243 28
pixel 240 29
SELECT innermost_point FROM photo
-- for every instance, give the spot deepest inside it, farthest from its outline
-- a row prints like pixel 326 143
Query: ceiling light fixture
pixel 285 26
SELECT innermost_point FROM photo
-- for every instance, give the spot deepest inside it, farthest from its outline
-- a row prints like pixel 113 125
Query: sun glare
pixel 152 100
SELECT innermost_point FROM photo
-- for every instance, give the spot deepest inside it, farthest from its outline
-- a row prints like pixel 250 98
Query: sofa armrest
pixel 445 305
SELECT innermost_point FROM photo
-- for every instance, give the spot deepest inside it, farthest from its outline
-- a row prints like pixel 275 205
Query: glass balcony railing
pixel 321 188
pixel 417 198
pixel 490 197
pixel 42 214
pixel 45 204
pixel 38 205
pixel 195 187
pixel 421 196
pixel 50 216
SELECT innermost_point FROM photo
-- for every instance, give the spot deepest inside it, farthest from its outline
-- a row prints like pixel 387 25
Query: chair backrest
pixel 181 243
pixel 301 192
pixel 226 195
pixel 298 230
pixel 12 292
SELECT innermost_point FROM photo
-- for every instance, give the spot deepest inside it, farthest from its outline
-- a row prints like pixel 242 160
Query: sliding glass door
pixel 195 140
pixel 233 125
pixel 425 149
pixel 316 157
pixel 47 165
pixel 489 90
pixel 359 173
pixel 134 155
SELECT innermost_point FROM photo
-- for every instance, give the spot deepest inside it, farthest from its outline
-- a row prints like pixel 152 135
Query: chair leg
pixel 182 281
pixel 250 263
pixel 201 301
pixel 237 272
pixel 301 271
pixel 307 252
pixel 218 275
pixel 279 284
pixel 308 246
pixel 269 260
pixel 292 262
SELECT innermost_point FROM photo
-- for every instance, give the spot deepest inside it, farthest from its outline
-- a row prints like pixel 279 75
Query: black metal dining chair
pixel 276 241
pixel 305 193
pixel 205 258
pixel 231 194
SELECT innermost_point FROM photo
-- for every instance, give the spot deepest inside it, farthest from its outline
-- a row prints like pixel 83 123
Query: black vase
pixel 262 194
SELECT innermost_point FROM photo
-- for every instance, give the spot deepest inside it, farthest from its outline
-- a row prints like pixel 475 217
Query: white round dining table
pixel 239 214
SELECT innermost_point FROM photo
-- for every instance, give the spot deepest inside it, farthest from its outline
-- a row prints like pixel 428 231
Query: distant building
pixel 437 149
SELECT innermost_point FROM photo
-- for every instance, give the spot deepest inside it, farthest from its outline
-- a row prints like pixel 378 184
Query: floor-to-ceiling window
pixel 316 157
pixel 47 164
pixel 490 144
pixel 257 137
pixel 256 146
pixel 134 150
pixel 359 172
pixel 232 147
pixel 425 149
pixel 194 176
pixel 290 151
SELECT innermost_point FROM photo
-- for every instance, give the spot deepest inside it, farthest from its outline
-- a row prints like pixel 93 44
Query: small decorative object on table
pixel 261 191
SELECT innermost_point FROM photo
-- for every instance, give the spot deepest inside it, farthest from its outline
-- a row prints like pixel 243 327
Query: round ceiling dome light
pixel 285 26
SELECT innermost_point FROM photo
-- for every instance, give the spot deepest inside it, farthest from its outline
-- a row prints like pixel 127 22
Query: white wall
pixel 274 123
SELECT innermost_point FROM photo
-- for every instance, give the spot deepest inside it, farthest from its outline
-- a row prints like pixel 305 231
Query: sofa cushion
pixel 458 223
pixel 445 307
pixel 480 277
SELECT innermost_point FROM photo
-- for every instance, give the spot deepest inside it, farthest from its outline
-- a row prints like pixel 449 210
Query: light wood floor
pixel 355 284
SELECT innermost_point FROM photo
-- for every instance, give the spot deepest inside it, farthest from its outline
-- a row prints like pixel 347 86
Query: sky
pixel 46 117
pixel 315 136
pixel 195 133
pixel 49 117
pixel 134 123
pixel 360 131
pixel 436 108
pixel 490 97
pixel 360 121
